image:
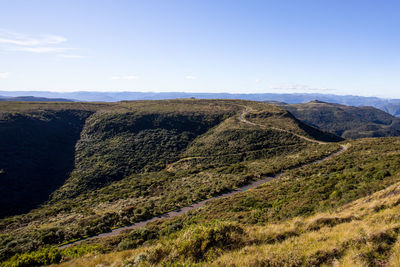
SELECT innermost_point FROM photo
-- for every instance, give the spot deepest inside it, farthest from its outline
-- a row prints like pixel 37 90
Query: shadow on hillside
pixel 318 134
pixel 37 154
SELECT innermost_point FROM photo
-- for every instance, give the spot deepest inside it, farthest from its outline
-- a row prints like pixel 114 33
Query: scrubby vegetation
pixel 48 255
pixel 347 121
pixel 136 160
pixel 364 232
pixel 350 232
pixel 115 146
pixel 313 188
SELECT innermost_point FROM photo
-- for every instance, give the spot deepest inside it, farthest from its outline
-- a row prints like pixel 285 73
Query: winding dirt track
pixel 202 203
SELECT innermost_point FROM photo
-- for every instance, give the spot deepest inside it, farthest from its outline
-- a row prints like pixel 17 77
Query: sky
pixel 248 46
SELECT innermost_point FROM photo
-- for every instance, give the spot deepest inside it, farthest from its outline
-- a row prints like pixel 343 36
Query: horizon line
pixel 204 93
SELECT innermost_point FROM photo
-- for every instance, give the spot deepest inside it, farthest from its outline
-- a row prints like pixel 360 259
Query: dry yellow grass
pixel 363 236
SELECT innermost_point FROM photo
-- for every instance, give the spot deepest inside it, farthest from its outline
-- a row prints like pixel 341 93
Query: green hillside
pixel 319 215
pixel 116 145
pixel 132 161
pixel 346 121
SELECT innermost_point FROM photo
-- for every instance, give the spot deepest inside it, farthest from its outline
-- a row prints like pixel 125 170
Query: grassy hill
pixel 342 212
pixel 330 213
pixel 130 161
pixel 346 121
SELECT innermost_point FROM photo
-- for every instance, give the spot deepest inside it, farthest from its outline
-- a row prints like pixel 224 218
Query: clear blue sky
pixel 327 46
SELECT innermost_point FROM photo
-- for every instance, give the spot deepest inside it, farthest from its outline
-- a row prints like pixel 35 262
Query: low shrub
pixel 199 243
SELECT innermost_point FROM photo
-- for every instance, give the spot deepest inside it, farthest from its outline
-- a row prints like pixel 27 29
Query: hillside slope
pixel 362 233
pixel 136 160
pixel 392 108
pixel 119 143
pixel 346 121
pixel 321 215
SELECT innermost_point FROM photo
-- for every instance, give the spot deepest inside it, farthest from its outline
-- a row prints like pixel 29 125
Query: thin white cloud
pixel 17 42
pixel 54 39
pixel 127 77
pixel 191 77
pixel 42 49
pixel 11 41
pixel 257 81
pixel 4 75
pixel 27 41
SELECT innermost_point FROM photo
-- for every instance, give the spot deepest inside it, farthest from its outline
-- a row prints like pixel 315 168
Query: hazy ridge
pixel 392 106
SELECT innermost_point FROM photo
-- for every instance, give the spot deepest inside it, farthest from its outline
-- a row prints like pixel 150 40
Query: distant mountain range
pixel 391 106
pixel 34 99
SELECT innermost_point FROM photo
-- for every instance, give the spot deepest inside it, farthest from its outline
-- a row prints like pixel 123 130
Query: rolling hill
pixel 194 182
pixel 346 121
pixel 121 163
